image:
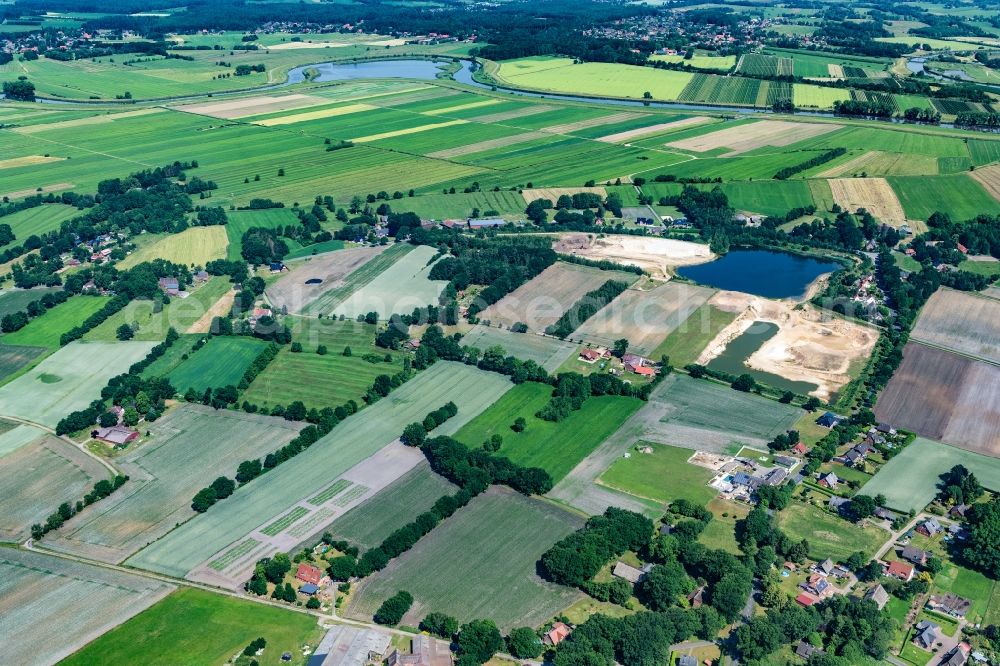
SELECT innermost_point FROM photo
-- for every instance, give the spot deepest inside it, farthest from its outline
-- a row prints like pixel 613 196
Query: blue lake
pixel 760 272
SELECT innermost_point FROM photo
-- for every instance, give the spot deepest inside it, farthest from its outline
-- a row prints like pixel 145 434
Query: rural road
pixel 111 468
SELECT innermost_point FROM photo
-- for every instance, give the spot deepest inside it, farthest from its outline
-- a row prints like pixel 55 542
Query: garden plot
pixel 657 256
pixel 547 352
pixel 38 472
pixel 810 346
pixel 660 128
pixel 962 322
pixel 186 450
pixel 553 193
pixel 68 380
pixel 402 287
pixel 492 545
pixel 308 280
pixel 744 138
pixel 314 470
pixel 910 479
pixel 989 178
pixel 943 396
pixel 541 301
pixel 234 564
pixel 52 607
pixel 873 194
pixel 252 106
pixel 643 317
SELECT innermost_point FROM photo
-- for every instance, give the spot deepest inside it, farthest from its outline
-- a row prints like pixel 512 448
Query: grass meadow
pixel 686 342
pixel 195 246
pixel 45 331
pixel 829 535
pixel 556 447
pixel 221 362
pixel 663 475
pixel 492 545
pixel 957 195
pixel 355 439
pixel 15 300
pixel 193 626
pixel 38 220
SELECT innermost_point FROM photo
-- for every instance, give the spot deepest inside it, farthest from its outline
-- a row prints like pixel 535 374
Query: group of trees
pixel 576 559
pixel 21 90
pixel 57 518
pixel 960 486
pixel 585 308
pixel 826 156
pixel 477 469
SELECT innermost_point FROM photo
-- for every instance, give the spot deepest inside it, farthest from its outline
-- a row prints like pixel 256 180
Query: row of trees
pixel 585 308
pixel 57 518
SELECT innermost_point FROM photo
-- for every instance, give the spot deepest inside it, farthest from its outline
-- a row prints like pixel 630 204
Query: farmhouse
pixel 926 634
pixel 929 527
pixel 641 370
pixel 351 646
pixel 307 573
pixel 116 435
pixel 950 604
pixel 958 511
pixel 169 285
pixel 900 570
pixel 878 595
pixel 884 513
pixel 628 572
pixel 800 449
pixel 590 355
pixel 425 651
pixel 556 634
pixel 957 656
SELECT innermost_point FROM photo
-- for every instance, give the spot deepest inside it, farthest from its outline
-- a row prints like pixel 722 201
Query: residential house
pixel 641 370
pixel 556 634
pixel 785 461
pixel 116 435
pixel 825 567
pixel 800 449
pixel 590 355
pixel 634 360
pixel 805 650
pixel 628 572
pixel 818 585
pixel 829 420
pixel 957 656
pixel 697 598
pixel 929 527
pixel 878 595
pixel 913 555
pixel 307 573
pixel 958 511
pixel 925 634
pixel 829 481
pixel 201 276
pixel 885 514
pixel 169 285
pixel 949 604
pixel 900 570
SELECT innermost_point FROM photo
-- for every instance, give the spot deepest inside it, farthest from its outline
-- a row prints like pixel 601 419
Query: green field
pixel 444 206
pixel 547 352
pixel 38 220
pixel 354 440
pixel 974 586
pixel 555 447
pixel 958 195
pixel 909 480
pixel 314 249
pixel 196 627
pixel 221 362
pixel 13 359
pixel 829 535
pixel 400 288
pixel 369 523
pixel 195 246
pixel 685 344
pixel 593 78
pixel 329 380
pixel 68 380
pixel 45 331
pixel 15 300
pixel 186 450
pixel 663 475
pixel 492 546
pixel 239 221
pixel 43 594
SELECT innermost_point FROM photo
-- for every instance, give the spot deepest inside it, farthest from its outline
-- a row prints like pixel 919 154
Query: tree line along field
pixel 45 331
pixel 194 626
pixel 221 362
pixel 354 440
pixel 492 545
pixel 323 380
pixel 185 451
pixel 37 473
pixel 45 596
pixel 548 352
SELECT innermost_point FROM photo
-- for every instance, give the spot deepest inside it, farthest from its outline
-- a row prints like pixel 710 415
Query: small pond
pixel 761 272
pixel 732 359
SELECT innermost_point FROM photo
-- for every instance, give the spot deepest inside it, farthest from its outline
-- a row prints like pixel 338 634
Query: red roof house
pixel 800 449
pixel 900 570
pixel 590 355
pixel 806 599
pixel 557 634
pixel 308 574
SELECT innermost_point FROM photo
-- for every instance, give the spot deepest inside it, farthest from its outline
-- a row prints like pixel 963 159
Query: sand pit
pixel 810 346
pixel 743 138
pixel 28 160
pixel 654 129
pixel 553 193
pixel 252 106
pixel 657 256
pixel 873 194
pixel 291 290
pixel 989 178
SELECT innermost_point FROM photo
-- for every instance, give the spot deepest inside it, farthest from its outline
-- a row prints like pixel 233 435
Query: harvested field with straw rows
pixel 873 194
pixel 944 396
pixel 962 322
pixel 878 163
pixel 553 193
pixel 754 135
pixel 989 178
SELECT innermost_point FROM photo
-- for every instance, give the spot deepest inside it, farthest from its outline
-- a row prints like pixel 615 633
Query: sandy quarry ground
pixel 809 346
pixel 655 255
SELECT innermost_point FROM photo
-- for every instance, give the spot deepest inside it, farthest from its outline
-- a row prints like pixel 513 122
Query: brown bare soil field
pixel 962 322
pixel 516 113
pixel 989 178
pixel 553 193
pixel 480 146
pixel 28 160
pixel 743 138
pixel 252 106
pixel 645 318
pixel 541 301
pixel 944 396
pixel 810 346
pixel 291 290
pixel 654 129
pixel 873 194
pixel 836 71
pixel 567 128
pixel 218 309
pixel 655 255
